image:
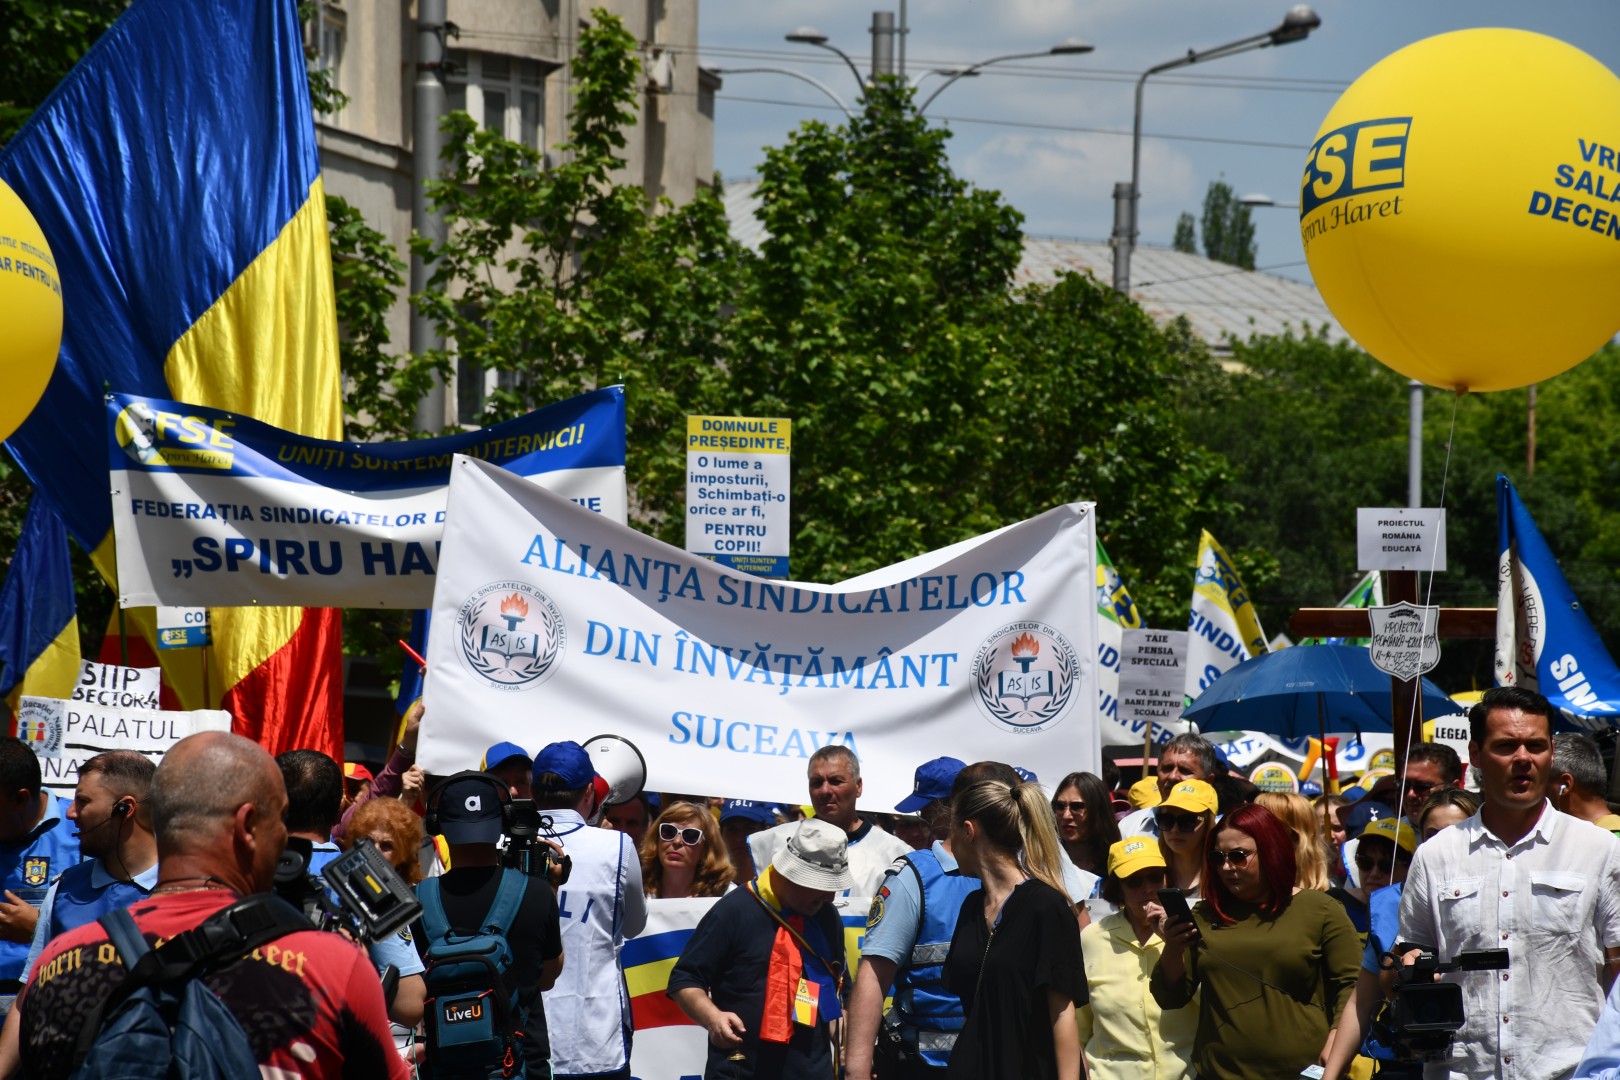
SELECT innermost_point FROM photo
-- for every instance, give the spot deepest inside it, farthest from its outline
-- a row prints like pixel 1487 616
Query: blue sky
pixel 1053 135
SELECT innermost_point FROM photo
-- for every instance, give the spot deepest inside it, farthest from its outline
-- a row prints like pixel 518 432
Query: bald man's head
pixel 198 798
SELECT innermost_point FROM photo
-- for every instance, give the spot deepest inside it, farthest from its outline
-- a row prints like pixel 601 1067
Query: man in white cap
pixel 763 973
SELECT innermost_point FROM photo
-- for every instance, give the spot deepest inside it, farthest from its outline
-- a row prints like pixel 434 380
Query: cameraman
pixel 470 818
pixel 314 804
pixel 310 1003
pixel 601 903
pixel 1523 877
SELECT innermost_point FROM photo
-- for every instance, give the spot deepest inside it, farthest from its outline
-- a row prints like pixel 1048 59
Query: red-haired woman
pixel 1272 967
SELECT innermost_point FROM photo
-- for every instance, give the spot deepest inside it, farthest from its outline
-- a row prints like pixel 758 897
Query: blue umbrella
pixel 1304 690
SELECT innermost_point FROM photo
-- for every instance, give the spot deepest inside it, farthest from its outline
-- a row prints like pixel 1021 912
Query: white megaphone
pixel 617 761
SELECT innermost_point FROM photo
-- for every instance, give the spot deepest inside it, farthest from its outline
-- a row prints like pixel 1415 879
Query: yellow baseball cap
pixel 1133 854
pixel 1144 793
pixel 1196 796
pixel 1394 830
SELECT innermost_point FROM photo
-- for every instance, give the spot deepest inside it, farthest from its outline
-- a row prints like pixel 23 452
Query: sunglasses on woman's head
pixel 1178 822
pixel 690 836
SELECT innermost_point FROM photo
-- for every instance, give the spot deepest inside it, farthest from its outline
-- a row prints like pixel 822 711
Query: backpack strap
pixel 220 940
pixel 508 897
pixel 434 920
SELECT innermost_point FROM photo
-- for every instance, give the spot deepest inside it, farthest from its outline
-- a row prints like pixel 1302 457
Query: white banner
pixel 212 509
pixel 82 731
pixel 550 623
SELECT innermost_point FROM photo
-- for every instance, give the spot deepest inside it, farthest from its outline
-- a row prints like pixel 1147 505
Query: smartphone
pixel 1312 1072
pixel 1174 902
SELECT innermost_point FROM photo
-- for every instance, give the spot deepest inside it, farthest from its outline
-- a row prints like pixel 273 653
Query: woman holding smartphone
pixel 1272 968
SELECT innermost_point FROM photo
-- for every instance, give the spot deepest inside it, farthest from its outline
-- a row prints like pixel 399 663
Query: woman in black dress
pixel 1015 957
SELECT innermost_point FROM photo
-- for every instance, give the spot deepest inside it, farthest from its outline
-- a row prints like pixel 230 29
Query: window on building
pixel 328 34
pixel 506 94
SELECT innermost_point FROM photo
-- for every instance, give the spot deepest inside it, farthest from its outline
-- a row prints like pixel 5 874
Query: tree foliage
pixel 1228 230
pixel 1186 238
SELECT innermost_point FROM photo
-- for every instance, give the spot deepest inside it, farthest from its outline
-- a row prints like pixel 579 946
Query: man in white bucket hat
pixel 764 971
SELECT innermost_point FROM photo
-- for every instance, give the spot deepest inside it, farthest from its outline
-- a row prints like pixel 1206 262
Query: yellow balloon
pixel 1460 209
pixel 30 312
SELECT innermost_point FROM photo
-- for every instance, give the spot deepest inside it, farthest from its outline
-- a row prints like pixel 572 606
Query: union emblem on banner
pixel 1405 639
pixel 511 634
pixel 1025 674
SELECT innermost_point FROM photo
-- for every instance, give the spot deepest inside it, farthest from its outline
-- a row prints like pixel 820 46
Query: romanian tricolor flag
pixel 39 627
pixel 174 172
pixel 649 958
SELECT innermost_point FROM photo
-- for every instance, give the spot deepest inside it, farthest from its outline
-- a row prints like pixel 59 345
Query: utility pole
pixel 426 143
pixel 883 36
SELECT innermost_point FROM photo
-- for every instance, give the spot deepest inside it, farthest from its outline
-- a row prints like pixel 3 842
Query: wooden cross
pixel 1355 623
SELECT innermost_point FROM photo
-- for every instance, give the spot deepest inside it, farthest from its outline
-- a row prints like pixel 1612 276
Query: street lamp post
pixel 1296 26
pixel 809 35
pixel 801 76
pixel 1067 47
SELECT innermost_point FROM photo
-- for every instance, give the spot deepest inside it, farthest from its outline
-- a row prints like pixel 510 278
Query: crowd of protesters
pixel 1186 926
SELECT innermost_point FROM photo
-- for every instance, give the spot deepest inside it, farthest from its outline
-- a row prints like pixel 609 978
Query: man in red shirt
pixel 310 1003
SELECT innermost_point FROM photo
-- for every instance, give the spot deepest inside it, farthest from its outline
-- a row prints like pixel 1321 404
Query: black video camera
pixel 525 851
pixel 1426 1014
pixel 358 893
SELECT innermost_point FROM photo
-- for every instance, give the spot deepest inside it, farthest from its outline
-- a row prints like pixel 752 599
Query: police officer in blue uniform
pixel 908 933
pixel 36 844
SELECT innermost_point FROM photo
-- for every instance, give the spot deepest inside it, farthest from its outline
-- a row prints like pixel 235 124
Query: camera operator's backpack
pixel 162 1020
pixel 472 1015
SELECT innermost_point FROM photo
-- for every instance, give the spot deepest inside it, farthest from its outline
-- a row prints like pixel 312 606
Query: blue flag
pixel 1544 641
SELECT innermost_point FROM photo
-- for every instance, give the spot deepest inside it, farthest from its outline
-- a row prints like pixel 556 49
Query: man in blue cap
pixel 513 765
pixel 601 903
pixel 908 933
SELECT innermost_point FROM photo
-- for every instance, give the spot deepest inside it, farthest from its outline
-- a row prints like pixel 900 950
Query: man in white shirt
pixel 835 784
pixel 1523 877
pixel 601 904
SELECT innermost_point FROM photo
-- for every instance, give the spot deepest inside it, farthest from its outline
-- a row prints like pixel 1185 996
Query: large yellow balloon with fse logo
pixel 1460 209
pixel 30 312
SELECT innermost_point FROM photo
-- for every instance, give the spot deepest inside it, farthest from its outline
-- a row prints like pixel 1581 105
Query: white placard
pixel 1151 679
pixel 1400 539
pixel 550 622
pixel 114 687
pixel 88 730
pixel 739 474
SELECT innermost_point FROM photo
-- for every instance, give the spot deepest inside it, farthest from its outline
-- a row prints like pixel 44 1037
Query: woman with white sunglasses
pixel 683 855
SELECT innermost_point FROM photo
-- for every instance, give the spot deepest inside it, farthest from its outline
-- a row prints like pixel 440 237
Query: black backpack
pixel 162 1020
pixel 473 1016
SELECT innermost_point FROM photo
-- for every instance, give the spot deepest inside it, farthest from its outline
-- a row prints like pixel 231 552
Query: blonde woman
pixel 1015 956
pixel 683 854
pixel 1310 853
pixel 1185 820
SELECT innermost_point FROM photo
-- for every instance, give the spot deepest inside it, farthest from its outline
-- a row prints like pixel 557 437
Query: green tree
pixel 931 402
pixel 1186 238
pixel 1228 231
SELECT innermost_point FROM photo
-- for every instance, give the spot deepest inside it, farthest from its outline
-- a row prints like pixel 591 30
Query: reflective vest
pixel 930 1015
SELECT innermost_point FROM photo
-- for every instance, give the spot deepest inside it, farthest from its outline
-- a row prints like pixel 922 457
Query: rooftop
pixel 1220 301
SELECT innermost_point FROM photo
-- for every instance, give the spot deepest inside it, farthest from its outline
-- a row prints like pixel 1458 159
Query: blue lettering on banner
pixel 647 574
pixel 745 737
